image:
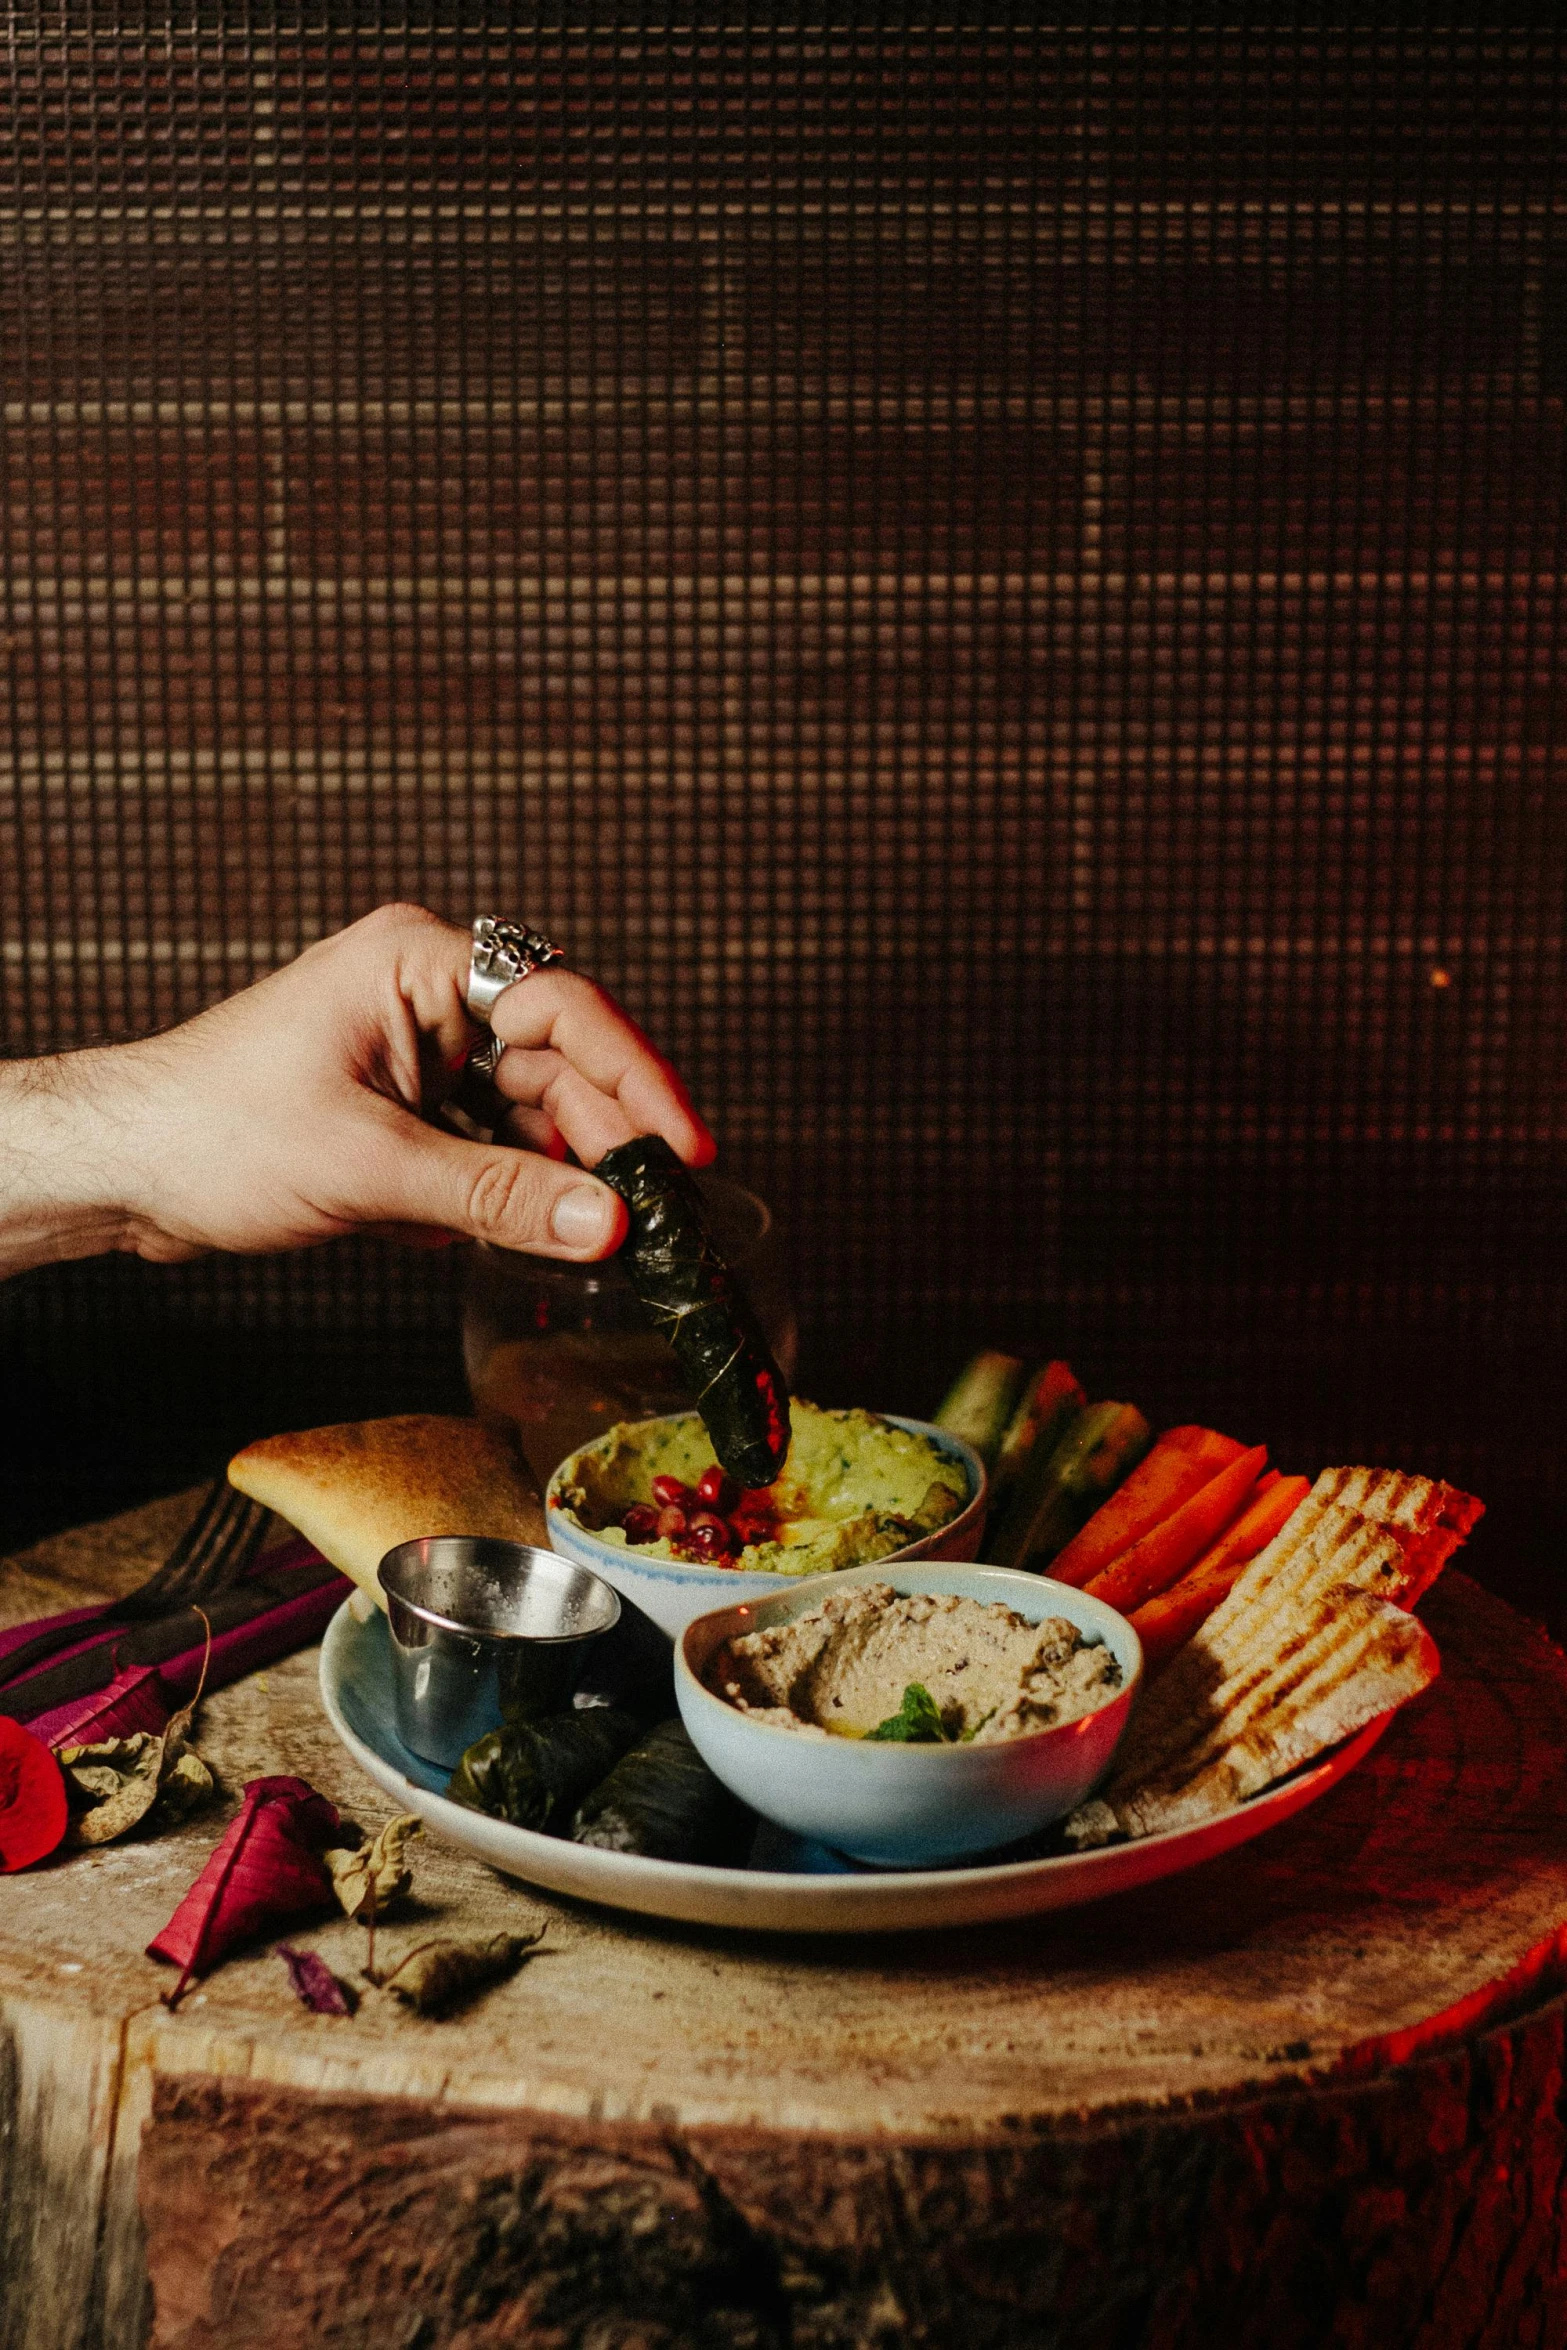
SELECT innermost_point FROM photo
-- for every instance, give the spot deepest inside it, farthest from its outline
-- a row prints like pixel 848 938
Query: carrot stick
pixel 1165 1552
pixel 1167 1622
pixel 1180 1464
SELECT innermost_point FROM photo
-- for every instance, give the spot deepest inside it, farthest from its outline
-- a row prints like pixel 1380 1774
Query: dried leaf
pixel 112 1785
pixel 134 1700
pixel 33 1807
pixel 177 1734
pixel 438 1974
pixel 314 1983
pixel 118 1784
pixel 368 1881
pixel 268 1868
pixel 183 1789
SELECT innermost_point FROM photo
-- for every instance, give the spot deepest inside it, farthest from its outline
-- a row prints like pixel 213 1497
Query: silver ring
pixel 503 953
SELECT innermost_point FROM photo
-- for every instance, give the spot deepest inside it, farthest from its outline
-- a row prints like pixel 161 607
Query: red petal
pixel 33 1809
pixel 134 1700
pixel 267 1869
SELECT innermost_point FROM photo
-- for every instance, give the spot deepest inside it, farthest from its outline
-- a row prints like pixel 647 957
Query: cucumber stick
pixel 1059 1490
pixel 981 1400
pixel 1050 1401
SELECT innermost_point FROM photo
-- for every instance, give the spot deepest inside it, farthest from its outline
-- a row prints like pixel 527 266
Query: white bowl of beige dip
pixel 1032 1683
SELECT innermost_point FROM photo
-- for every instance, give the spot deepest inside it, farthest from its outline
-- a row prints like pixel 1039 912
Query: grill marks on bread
pixel 1314 1641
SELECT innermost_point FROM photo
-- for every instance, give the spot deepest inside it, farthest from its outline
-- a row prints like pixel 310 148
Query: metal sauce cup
pixel 482 1630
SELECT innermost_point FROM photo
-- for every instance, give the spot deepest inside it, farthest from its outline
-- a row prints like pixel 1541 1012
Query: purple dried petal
pixel 314 1982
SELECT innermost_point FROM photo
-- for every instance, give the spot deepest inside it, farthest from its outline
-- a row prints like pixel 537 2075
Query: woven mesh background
pixel 1001 587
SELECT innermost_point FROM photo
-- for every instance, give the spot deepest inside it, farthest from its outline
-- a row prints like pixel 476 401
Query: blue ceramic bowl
pixel 674 1591
pixel 908 1806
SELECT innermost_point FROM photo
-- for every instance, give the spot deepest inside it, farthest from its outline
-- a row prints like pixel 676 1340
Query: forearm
pixel 62 1192
pixel 299 1110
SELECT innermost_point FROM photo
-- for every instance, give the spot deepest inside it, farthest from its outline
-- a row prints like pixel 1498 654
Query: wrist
pixel 62 1176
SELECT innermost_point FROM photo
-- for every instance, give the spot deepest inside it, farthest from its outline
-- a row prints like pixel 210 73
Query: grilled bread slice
pixel 1361 1661
pixel 358 1489
pixel 1429 1518
pixel 1313 1641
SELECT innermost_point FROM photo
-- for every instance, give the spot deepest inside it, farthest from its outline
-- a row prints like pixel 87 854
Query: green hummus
pixel 854 1488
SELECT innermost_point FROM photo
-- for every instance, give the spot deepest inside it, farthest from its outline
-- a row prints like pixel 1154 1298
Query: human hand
pixel 297 1111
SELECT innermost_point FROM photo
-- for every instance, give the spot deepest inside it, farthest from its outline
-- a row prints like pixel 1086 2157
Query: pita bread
pixel 1429 1518
pixel 1245 1638
pixel 1388 1657
pixel 358 1489
pixel 1313 1641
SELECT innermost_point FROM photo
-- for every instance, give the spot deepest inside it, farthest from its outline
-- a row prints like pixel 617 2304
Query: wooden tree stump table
pixel 1309 2093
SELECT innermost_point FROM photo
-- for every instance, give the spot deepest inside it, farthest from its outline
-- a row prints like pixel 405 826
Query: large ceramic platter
pixel 789 1886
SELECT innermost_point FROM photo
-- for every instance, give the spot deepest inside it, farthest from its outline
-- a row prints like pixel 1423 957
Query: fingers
pixel 533 1130
pixel 428 959
pixel 591 1122
pixel 554 1010
pixel 516 1198
pixel 563 1015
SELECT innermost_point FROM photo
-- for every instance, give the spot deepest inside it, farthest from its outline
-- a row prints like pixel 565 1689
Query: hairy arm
pixel 299 1110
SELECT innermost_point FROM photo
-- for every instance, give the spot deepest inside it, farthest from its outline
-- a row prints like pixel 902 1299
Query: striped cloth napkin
pixel 119 1678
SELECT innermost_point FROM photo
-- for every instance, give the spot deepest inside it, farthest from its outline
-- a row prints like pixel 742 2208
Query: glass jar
pixel 560 1352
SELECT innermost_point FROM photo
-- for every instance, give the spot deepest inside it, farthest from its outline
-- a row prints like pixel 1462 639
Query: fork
pixel 212 1554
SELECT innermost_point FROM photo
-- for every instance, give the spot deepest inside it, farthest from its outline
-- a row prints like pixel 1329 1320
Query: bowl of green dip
pixel 858 1487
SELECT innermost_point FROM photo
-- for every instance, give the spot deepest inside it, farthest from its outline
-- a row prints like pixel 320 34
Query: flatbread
pixel 1360 1661
pixel 1313 1641
pixel 1430 1519
pixel 358 1489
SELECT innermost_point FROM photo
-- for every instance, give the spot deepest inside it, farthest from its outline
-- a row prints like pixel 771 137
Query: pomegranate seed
pixel 716 1489
pixel 640 1523
pixel 672 1523
pixel 670 1494
pixel 710 1539
pixel 704 1522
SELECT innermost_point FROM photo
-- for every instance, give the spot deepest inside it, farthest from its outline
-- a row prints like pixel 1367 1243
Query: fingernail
pixel 582 1218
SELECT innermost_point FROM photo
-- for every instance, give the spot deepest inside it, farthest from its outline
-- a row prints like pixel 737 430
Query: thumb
pixel 515 1198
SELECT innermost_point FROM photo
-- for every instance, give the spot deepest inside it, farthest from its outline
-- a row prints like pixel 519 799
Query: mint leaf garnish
pixel 917 1721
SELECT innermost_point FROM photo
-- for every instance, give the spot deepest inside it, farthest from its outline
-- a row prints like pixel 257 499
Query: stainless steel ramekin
pixel 482 1630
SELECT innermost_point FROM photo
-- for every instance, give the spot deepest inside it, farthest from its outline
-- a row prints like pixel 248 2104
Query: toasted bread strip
pixel 1430 1518
pixel 1338 1548
pixel 1318 1650
pixel 1368 1659
pixel 1312 1641
pixel 1325 1541
pixel 1271 1571
pixel 1396 1661
pixel 1343 1551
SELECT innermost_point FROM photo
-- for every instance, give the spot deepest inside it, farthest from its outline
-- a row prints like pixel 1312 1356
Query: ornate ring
pixel 503 953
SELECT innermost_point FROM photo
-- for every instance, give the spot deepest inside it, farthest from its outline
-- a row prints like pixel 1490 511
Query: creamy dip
pixel 845 1667
pixel 854 1488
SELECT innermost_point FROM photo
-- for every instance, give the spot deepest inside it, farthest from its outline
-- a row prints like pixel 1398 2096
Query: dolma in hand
pixel 693 1298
